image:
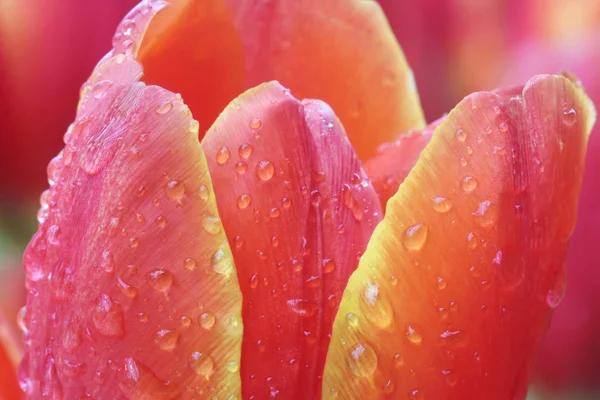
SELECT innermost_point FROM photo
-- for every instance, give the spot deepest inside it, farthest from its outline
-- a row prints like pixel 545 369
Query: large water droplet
pixel 175 189
pixel 166 339
pixel 202 364
pixel 108 317
pixel 468 184
pixel 569 116
pixel 362 360
pixel 265 170
pixel 160 279
pixel 222 263
pixel 256 123
pixel 207 320
pixel 212 224
pixel 223 155
pixel 414 237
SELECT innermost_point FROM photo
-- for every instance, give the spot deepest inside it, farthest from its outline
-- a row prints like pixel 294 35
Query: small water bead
pixel 265 170
pixel 398 360
pixel 286 203
pixel 274 212
pixel 108 317
pixel 245 150
pixel 274 242
pixel 189 264
pixel 362 360
pixel 160 279
pixel 569 116
pixel 441 204
pixel 503 127
pixel 100 88
pixel 352 320
pixel 441 283
pixel 468 184
pixel 212 224
pixel 461 135
pixel 256 123
pixel 221 264
pixel 108 261
pixel 194 126
pixel 53 235
pixel 315 198
pixel 469 150
pixel 232 366
pixel 134 242
pixel 223 155
pixel 166 339
pixel 238 242
pixel 175 189
pixel 244 201
pixel 413 336
pixel 241 167
pixel 455 337
pixel 486 214
pixel 414 237
pixel 416 395
pixel 207 320
pixel 140 219
pixel 186 321
pixel 128 290
pixel 201 364
pixel 160 221
pixel 21 315
pixel 164 107
pixel 254 281
pixel 328 265
pixel 463 162
pixel 203 192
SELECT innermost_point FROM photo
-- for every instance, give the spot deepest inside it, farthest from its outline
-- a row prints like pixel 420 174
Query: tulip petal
pixel 219 47
pixel 298 211
pixel 454 292
pixel 132 288
pixel 10 354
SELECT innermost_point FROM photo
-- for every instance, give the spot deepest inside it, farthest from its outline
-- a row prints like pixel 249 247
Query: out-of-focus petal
pixel 47 49
pixel 298 211
pixel 393 161
pixel 341 51
pixel 453 294
pixel 10 353
pixel 132 288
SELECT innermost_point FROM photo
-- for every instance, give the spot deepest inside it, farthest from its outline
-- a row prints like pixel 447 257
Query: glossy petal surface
pixel 455 289
pixel 297 215
pixel 209 50
pixel 132 287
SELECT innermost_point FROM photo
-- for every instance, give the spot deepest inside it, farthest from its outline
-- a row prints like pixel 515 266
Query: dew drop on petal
pixel 414 237
pixel 362 360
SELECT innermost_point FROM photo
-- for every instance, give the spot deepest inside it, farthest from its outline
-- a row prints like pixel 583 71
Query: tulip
pixel 258 262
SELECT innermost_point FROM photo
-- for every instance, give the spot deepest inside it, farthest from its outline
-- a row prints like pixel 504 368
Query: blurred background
pixel 49 47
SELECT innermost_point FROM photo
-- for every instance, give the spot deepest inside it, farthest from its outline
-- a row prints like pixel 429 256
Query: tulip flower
pixel 258 262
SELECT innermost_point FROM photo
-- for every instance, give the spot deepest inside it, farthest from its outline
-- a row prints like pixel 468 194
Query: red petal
pixel 132 289
pixel 10 354
pixel 469 257
pixel 298 210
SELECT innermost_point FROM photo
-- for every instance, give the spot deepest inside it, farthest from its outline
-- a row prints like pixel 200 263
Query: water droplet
pixel 301 307
pixel 128 290
pixel 414 237
pixel 244 201
pixel 189 263
pixel 388 388
pixel 274 212
pixel 175 189
pixel 203 192
pixel 245 150
pixel 441 283
pixel 222 264
pixel 108 261
pixel 486 214
pixel 463 162
pixel 241 167
pixel 194 126
pixel 452 337
pixel 450 376
pixel 328 265
pixel 108 317
pixel 202 364
pixel 207 320
pixel 254 281
pixel 376 308
pixel 134 242
pixel 53 235
pixel 232 366
pixel 212 224
pixel 21 315
pixel 352 320
pixel 468 184
pixel 416 395
pixel 256 123
pixel 286 203
pixel 161 221
pixel 461 135
pixel 363 360
pixel 441 204
pixel 164 107
pixel 223 155
pixel 503 127
pixel 160 279
pixel 570 117
pixel 413 336
pixel 315 198
pixel 140 219
pixel 100 88
pixel 166 339
pixel 265 170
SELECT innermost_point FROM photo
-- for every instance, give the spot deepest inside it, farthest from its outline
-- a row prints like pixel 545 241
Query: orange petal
pixel 10 354
pixel 210 50
pixel 298 211
pixel 393 161
pixel 132 288
pixel 454 292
